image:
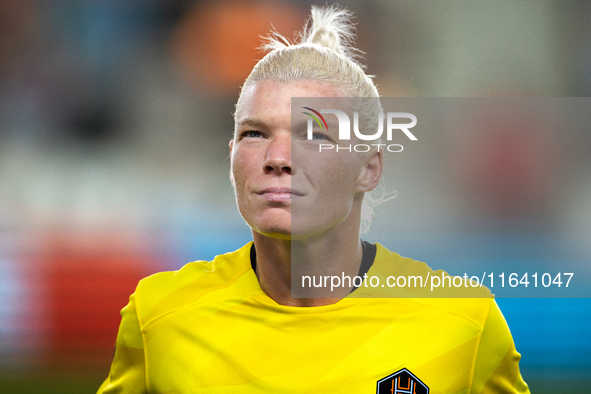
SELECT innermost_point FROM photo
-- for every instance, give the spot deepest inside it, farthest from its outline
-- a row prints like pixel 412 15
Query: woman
pixel 232 325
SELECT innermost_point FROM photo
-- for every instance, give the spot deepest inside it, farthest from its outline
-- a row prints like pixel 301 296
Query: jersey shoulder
pixel 436 289
pixel 194 282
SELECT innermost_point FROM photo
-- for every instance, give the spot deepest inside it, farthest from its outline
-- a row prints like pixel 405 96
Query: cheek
pixel 241 173
pixel 336 176
pixel 237 168
pixel 238 181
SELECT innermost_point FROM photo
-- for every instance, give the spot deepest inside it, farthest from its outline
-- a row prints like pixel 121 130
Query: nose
pixel 278 158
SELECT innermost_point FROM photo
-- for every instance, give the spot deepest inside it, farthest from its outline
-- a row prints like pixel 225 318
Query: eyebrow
pixel 252 122
pixel 260 124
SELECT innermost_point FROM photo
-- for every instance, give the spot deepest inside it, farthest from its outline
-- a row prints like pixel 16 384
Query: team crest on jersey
pixel 402 382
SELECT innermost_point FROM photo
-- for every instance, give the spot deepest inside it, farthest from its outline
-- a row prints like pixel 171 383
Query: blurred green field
pixel 44 384
pixel 47 385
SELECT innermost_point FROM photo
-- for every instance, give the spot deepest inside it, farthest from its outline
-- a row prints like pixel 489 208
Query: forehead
pixel 275 96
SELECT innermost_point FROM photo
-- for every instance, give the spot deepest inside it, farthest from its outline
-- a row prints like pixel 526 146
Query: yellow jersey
pixel 210 328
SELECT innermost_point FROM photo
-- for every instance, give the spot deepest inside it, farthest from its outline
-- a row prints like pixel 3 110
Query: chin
pixel 273 231
pixel 275 234
pixel 274 226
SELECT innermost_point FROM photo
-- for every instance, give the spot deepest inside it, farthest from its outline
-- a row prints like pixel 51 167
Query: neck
pixel 281 264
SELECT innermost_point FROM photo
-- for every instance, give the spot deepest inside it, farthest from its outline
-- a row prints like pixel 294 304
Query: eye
pixel 320 137
pixel 251 134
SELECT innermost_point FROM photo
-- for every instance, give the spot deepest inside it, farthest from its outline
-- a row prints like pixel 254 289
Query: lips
pixel 279 194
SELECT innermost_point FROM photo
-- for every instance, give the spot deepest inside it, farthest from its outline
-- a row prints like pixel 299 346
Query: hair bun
pixel 331 27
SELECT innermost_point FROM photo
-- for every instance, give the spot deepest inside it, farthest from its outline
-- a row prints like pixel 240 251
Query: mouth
pixel 279 194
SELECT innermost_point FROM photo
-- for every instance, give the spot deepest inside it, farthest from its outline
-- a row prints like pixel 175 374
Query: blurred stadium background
pixel 115 118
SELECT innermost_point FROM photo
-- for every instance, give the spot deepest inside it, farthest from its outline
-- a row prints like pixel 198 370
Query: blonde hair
pixel 324 52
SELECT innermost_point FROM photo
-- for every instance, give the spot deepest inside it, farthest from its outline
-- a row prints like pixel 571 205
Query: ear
pixel 371 172
pixel 231 146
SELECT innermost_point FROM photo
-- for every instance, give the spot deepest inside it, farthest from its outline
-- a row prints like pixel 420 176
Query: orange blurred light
pixel 216 42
